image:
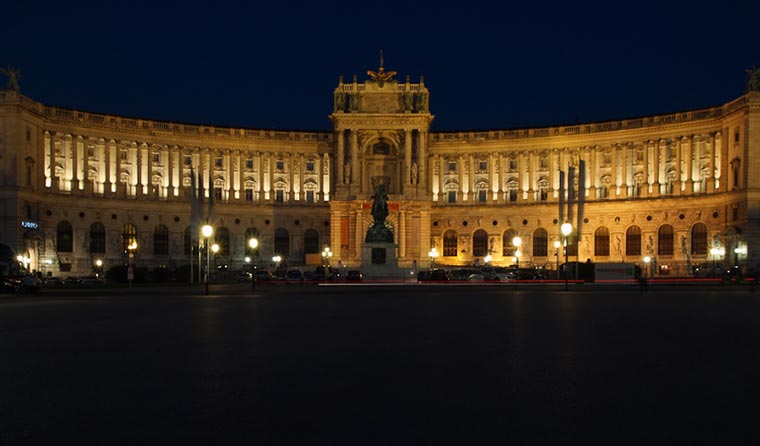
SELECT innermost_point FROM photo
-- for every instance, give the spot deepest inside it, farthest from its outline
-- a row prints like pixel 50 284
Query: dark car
pixel 262 276
pixel 354 275
pixel 294 275
pixel 435 275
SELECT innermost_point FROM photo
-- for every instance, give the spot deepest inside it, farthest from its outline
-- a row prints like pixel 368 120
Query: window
pixel 280 165
pixel 28 135
pixel 279 196
pixel 543 163
pixel 187 160
pixel 450 243
pixel 543 190
pixel 633 241
pixel 90 152
pixel 64 239
pixel 540 242
pixel 218 193
pixel 483 166
pixel 482 195
pixel 161 241
pixel 310 196
pixel 156 157
pixel 512 165
pixel 311 242
pixel 97 238
pixel 282 242
pixel 452 196
pixel 602 242
pixel 124 155
pixel 452 166
pixel 480 243
pixel 310 166
pixel 699 239
pixel 249 163
pixel 249 195
pixel 665 240
pixel 222 238
pixel 188 242
pixel 128 236
pixel 512 190
pixel 507 248
pixel 218 162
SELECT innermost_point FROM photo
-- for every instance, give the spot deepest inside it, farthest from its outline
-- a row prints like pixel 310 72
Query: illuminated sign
pixel 29 224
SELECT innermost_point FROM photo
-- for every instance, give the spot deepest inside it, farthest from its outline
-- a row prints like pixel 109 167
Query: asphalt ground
pixel 381 365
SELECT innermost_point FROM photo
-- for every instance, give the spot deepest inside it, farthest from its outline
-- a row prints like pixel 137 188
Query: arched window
pixel 507 249
pixel 699 239
pixel 665 240
pixel 97 238
pixel 128 236
pixel 188 242
pixel 282 242
pixel 311 241
pixel 540 243
pixel 161 240
pixel 480 243
pixel 249 234
pixel 64 237
pixel 602 242
pixel 450 247
pixel 633 241
pixel 222 238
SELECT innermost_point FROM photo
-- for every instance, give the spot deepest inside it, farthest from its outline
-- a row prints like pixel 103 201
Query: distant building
pixel 78 187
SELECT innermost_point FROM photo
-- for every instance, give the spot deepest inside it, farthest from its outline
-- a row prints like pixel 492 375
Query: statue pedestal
pixel 379 261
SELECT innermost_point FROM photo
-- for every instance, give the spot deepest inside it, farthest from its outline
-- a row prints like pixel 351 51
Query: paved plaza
pixel 381 365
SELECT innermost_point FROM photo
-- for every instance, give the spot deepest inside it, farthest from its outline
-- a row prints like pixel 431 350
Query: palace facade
pixel 78 187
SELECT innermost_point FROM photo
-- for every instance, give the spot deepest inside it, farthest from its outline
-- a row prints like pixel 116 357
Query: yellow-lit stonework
pixel 77 186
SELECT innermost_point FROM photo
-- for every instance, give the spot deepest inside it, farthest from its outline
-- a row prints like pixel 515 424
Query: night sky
pixel 488 65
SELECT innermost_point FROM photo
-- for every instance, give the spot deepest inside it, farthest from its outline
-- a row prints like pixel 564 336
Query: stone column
pixel 422 162
pixel 340 160
pixel 408 158
pixel 710 181
pixel 686 149
pixel 355 174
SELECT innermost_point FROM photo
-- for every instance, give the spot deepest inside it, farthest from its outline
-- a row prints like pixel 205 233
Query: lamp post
pixel 647 259
pixel 98 268
pixel 207 231
pixel 326 254
pixel 516 242
pixel 557 244
pixel 131 248
pixel 253 243
pixel 566 229
pixel 215 250
pixel 433 254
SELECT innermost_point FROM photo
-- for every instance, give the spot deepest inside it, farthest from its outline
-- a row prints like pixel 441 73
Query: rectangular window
pixel 310 196
pixel 187 160
pixel 280 165
pixel 218 193
pixel 512 165
pixel 157 157
pixel 218 162
pixel 124 155
pixel 310 166
pixel 249 163
pixel 28 135
pixel 452 167
pixel 279 195
pixel 452 196
pixel 482 196
pixel 543 163
pixel 483 166
pixel 249 195
pixel 513 195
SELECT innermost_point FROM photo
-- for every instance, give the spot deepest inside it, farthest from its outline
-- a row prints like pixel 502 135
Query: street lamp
pixel 433 254
pixel 326 254
pixel 487 259
pixel 253 243
pixel 516 242
pixel 557 244
pixel 98 268
pixel 647 259
pixel 131 248
pixel 566 229
pixel 207 231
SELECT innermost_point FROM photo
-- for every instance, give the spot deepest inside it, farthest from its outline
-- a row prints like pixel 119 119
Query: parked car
pixel 294 275
pixel 244 276
pixel 497 274
pixel 463 274
pixel 262 276
pixel 354 275
pixel 434 275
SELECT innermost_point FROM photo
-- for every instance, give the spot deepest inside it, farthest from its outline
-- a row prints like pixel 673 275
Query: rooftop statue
pixel 753 79
pixel 13 76
pixel 381 75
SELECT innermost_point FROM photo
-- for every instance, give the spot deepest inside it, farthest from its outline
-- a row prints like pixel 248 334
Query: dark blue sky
pixel 488 65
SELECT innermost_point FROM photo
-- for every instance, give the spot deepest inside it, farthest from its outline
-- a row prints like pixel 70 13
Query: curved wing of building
pixel 79 187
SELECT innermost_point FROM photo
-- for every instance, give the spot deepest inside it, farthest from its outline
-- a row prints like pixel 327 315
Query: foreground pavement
pixel 307 364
